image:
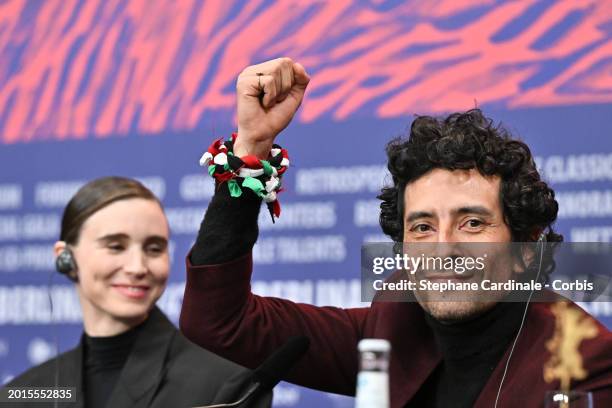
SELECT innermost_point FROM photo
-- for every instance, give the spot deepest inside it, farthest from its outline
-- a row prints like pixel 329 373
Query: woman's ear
pixel 64 261
pixel 58 248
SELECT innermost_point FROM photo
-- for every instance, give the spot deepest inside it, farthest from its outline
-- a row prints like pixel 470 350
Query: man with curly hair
pixel 455 179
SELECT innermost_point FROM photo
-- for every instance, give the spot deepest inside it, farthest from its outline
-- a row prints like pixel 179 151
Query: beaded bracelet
pixel 263 177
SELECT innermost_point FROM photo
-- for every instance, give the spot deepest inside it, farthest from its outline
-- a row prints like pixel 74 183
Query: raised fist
pixel 268 95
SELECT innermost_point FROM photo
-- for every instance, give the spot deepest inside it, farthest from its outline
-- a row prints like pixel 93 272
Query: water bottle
pixel 373 377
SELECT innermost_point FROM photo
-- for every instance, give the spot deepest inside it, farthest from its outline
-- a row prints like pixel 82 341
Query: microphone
pixel 271 372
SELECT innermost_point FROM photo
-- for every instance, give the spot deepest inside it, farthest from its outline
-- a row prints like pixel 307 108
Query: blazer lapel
pixel 71 372
pixel 524 382
pixel 144 367
pixel 415 355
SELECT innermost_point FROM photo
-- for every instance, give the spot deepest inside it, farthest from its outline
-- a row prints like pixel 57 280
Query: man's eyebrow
pixel 470 209
pixel 473 209
pixel 413 216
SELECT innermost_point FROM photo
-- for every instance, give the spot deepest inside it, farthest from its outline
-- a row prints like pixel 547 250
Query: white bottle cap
pixel 379 345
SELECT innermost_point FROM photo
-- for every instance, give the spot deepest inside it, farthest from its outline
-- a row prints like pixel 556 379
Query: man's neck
pixel 490 331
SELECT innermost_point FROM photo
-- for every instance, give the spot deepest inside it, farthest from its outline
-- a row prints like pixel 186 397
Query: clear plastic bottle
pixel 373 377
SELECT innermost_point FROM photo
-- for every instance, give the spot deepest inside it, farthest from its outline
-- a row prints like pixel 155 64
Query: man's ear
pixel 525 254
pixel 528 250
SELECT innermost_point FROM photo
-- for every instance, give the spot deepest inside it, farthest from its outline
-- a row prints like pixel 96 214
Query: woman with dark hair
pixel 114 246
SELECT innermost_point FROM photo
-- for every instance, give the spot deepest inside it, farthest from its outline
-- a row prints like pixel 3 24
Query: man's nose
pixel 447 242
pixel 446 233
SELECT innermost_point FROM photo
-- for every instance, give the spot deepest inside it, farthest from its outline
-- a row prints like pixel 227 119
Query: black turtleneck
pixel 471 349
pixel 229 229
pixel 104 357
pixel 470 352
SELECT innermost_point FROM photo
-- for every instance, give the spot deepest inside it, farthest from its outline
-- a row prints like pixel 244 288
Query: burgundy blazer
pixel 221 314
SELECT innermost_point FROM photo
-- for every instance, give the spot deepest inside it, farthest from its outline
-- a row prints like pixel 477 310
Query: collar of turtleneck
pixel 109 352
pixel 488 334
pixel 471 349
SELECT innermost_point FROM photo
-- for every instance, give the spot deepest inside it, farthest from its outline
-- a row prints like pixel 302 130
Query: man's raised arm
pixel 219 311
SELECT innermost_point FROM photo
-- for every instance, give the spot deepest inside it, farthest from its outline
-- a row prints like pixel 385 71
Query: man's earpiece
pixel 65 264
pixel 542 237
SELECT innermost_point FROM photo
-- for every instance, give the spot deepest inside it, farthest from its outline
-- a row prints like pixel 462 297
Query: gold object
pixel 571 327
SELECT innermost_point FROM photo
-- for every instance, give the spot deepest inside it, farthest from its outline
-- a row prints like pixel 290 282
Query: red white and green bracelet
pixel 263 177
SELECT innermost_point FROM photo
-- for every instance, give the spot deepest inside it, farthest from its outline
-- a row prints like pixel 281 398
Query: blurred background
pixel 138 88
